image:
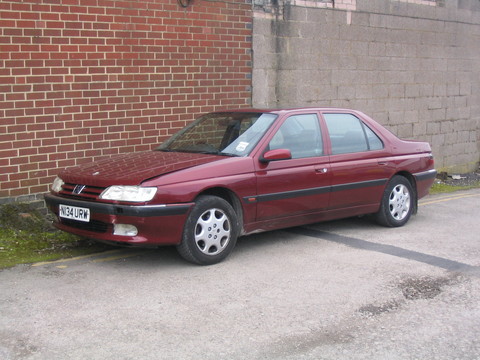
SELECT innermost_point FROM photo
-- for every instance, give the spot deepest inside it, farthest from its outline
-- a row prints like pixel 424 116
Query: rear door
pixel 298 186
pixel 358 173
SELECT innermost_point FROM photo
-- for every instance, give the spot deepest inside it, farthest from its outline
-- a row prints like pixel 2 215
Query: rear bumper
pixel 424 181
pixel 156 224
pixel 426 175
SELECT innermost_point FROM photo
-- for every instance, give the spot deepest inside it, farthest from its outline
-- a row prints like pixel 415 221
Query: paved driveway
pixel 347 289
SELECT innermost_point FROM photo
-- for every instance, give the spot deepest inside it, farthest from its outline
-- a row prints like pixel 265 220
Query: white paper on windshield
pixel 241 146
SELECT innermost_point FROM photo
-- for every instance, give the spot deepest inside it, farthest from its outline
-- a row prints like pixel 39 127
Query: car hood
pixel 133 168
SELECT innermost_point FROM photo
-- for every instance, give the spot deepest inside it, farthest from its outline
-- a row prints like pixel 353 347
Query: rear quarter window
pixel 348 134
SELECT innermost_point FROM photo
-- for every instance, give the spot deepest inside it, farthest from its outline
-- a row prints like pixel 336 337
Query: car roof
pixel 286 110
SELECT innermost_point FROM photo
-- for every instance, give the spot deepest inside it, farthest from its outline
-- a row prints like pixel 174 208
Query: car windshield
pixel 228 133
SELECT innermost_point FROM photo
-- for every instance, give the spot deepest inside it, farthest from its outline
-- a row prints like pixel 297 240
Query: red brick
pixel 39 189
pixel 13 188
pixel 18 177
pixel 28 167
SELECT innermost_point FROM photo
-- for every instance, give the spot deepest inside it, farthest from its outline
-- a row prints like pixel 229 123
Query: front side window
pixel 301 135
pixel 349 135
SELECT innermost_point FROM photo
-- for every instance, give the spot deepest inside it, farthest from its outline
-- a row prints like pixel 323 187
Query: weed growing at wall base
pixel 447 183
pixel 26 236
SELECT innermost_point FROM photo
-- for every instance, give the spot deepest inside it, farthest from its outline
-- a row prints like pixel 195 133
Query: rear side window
pixel 348 134
pixel 374 141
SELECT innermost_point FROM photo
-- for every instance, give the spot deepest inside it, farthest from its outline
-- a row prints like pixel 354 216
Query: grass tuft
pixel 26 236
pixel 441 188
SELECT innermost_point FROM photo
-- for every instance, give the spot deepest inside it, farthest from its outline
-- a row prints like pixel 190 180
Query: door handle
pixel 321 170
pixel 382 163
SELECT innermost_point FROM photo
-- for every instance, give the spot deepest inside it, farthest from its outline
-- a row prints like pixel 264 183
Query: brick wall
pixel 84 79
pixel 413 65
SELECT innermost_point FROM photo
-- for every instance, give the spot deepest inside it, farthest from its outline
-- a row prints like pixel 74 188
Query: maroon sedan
pixel 234 173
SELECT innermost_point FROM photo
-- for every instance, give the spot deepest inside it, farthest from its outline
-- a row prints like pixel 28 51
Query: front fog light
pixel 124 230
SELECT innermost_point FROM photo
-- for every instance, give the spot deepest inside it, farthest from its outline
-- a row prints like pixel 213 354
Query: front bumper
pixel 156 224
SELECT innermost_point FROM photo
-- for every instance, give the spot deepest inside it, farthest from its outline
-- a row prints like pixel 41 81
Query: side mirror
pixel 275 155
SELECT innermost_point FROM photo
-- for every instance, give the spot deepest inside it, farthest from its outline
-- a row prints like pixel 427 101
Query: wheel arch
pixel 413 183
pixel 230 197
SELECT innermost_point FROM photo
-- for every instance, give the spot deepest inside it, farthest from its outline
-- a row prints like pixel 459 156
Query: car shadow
pixel 269 241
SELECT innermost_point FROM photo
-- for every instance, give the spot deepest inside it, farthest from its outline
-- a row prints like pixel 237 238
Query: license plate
pixel 74 213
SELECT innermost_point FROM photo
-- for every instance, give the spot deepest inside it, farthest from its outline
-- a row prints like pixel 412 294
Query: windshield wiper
pixel 176 150
pixel 165 150
pixel 221 153
pixel 228 154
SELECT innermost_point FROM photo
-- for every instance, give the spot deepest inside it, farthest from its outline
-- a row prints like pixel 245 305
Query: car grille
pixel 85 193
pixel 93 225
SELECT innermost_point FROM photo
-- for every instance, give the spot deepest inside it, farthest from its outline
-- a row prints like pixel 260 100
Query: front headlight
pixel 57 184
pixel 128 193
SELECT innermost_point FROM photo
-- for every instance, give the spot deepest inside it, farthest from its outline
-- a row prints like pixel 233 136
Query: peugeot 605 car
pixel 234 173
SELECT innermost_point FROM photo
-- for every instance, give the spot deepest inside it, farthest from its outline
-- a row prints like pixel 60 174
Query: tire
pixel 210 232
pixel 398 203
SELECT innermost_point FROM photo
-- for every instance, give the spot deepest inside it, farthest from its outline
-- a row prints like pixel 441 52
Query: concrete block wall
pixel 413 65
pixel 85 79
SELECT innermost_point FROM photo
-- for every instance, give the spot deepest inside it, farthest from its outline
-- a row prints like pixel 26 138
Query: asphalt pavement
pixel 347 289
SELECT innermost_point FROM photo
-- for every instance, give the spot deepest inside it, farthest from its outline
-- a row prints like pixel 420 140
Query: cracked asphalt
pixel 346 289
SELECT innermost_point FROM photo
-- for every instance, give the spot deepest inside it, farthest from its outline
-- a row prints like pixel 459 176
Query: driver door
pixel 290 190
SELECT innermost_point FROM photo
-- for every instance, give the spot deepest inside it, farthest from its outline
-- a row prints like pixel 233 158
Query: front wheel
pixel 210 232
pixel 397 203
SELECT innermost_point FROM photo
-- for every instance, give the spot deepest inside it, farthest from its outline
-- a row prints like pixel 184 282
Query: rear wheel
pixel 210 232
pixel 397 203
